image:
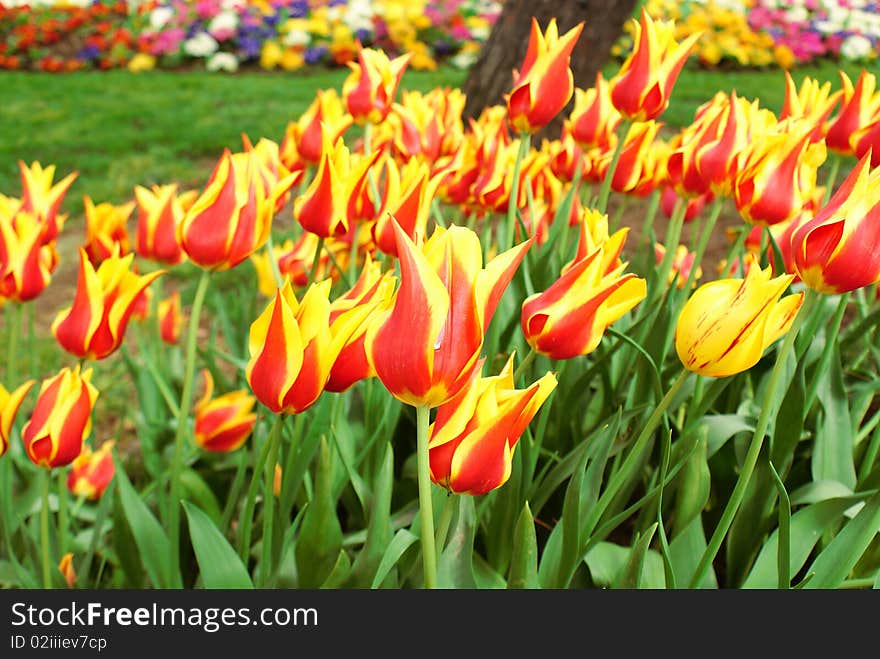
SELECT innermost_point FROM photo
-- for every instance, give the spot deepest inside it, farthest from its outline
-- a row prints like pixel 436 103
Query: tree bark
pixel 491 76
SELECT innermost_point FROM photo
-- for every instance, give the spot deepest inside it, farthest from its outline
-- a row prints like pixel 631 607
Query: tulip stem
pixel 524 364
pixel 832 178
pixel 703 242
pixel 247 514
pixel 525 143
pixel 605 190
pixel 768 411
pixel 269 499
pixel 13 327
pixel 426 511
pixel 273 262
pixel 315 261
pixel 62 513
pixel 173 513
pixel 44 532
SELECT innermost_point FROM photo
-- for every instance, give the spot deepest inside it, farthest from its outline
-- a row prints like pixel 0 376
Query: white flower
pixel 296 38
pixel 160 16
pixel 797 15
pixel 225 21
pixel 222 62
pixel 201 45
pixel 855 47
pixel 463 60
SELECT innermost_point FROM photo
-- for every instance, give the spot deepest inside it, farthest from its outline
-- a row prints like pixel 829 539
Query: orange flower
pixel 374 289
pixel 170 318
pixel 370 88
pixel 409 192
pixel 222 424
pixel 9 404
pixel 303 141
pixel 232 217
pixel 65 566
pixel 860 103
pixel 425 345
pixel 91 472
pixel 544 84
pixel 293 346
pixel 94 325
pixel 159 213
pixel 428 126
pixel 61 420
pixel 473 438
pixel 641 89
pixel 639 168
pixel 594 119
pixel 26 260
pixel 105 227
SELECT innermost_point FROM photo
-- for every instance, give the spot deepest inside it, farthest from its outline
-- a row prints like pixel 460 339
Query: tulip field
pixel 395 348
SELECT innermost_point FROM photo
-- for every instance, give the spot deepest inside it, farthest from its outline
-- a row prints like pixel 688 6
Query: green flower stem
pixel 736 251
pixel 44 532
pixel 650 216
pixel 13 328
pixel 173 512
pixel 506 242
pixel 62 513
pixel 832 178
pixel 768 412
pixel 234 490
pixel 315 261
pixel 273 262
pixel 31 337
pixel 247 514
pixel 605 189
pixel 269 499
pixel 673 236
pixel 426 511
pixel 703 242
pixel 832 336
pixel 524 365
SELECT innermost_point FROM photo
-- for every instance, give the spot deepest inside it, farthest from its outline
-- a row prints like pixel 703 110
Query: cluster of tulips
pixel 360 289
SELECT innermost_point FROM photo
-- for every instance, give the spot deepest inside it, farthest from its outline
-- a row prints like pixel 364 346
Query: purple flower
pixel 363 35
pixel 298 8
pixel 88 53
pixel 249 47
pixel 315 55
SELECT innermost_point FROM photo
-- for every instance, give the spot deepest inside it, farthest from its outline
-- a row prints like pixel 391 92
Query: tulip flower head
pixel 641 89
pixel 474 435
pixel 836 251
pixel 544 83
pixel 61 420
pixel 42 198
pixel 94 325
pixel 570 318
pixel 159 211
pixel 370 88
pixel 293 346
pixel 9 404
pixel 410 191
pixel 26 260
pixel 594 119
pixel 223 423
pixel 232 217
pixel 170 319
pixel 682 264
pixel 305 136
pixel 726 325
pixel 860 103
pixel 426 344
pixel 65 566
pixel 91 472
pixel 106 227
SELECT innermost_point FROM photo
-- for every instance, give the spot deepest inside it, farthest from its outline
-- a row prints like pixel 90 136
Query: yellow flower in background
pixel 292 60
pixel 142 62
pixel 271 54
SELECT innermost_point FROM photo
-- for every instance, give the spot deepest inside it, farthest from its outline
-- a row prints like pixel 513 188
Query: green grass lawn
pixel 119 129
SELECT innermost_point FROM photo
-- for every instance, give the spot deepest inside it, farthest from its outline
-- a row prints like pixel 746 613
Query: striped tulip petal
pixel 9 404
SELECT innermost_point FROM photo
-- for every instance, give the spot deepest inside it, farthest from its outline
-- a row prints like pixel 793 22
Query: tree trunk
pixel 491 76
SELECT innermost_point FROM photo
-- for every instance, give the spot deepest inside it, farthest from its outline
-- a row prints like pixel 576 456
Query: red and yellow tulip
pixel 170 318
pixel 303 141
pixel 544 83
pixel 370 87
pixel 570 317
pixel 594 120
pixel 836 251
pixel 92 471
pixel 474 435
pixel 293 346
pixel 374 289
pixel 813 103
pixel 426 344
pixel 232 217
pixel 641 161
pixel 410 191
pixel 106 227
pixel 726 325
pixel 682 264
pixel 223 423
pixel 641 89
pixel 159 212
pixel 26 260
pixel 65 566
pixel 428 126
pixel 860 103
pixel 9 404
pixel 41 198
pixel 61 420
pixel 777 173
pixel 94 325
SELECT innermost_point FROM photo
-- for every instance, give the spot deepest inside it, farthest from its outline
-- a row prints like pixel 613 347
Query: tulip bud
pixel 170 319
pixel 159 212
pixel 222 424
pixel 61 420
pixel 26 261
pixel 42 199
pixel 105 227
pixel 370 88
pixel 726 325
pixel 9 404
pixel 65 566
pixel 91 472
